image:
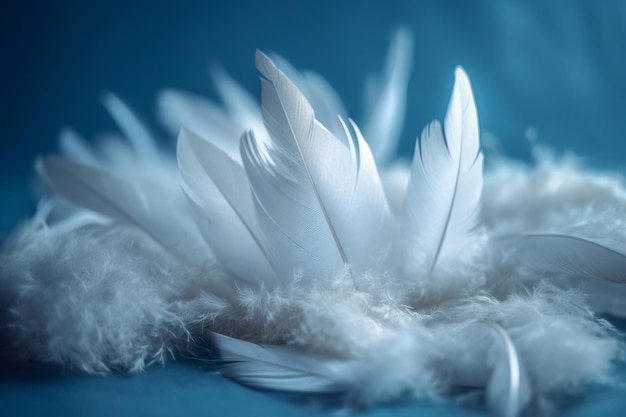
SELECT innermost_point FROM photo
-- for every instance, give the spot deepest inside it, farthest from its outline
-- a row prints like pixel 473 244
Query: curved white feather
pixel 179 109
pixel 575 255
pixel 314 207
pixel 132 127
pixel 393 372
pixel 242 108
pixel 276 368
pixel 74 146
pixel 146 205
pixel 386 99
pixel 489 359
pixel 443 195
pixel 294 228
pixel 219 191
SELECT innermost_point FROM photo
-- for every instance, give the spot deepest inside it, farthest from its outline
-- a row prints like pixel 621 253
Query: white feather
pixel 318 92
pixel 277 368
pixel 219 191
pixel 74 146
pixel 397 368
pixel 486 359
pixel 386 99
pixel 133 129
pixel 489 359
pixel 443 196
pixel 180 109
pixel 145 205
pixel 242 108
pixel 318 205
pixel 572 254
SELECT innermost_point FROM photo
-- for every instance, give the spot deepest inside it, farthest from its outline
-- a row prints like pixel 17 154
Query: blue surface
pixel 177 389
pixel 557 66
pixel 187 388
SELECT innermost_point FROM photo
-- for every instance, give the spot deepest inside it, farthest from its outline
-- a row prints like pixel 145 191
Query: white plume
pixel 386 99
pixel 125 201
pixel 307 184
pixel 180 109
pixel 445 185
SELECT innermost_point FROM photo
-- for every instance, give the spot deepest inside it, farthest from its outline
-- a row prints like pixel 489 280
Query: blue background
pixel 558 66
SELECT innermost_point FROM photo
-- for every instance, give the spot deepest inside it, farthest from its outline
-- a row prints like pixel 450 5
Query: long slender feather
pixel 312 202
pixel 133 129
pixel 575 255
pixel 220 192
pixel 359 382
pixel 386 101
pixel 144 205
pixel 74 146
pixel 443 195
pixel 242 108
pixel 276 368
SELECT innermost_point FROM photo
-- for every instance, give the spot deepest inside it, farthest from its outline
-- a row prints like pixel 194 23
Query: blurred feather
pixel 242 107
pixel 74 146
pixel 386 99
pixel 572 254
pixel 131 126
pixel 179 109
pixel 140 205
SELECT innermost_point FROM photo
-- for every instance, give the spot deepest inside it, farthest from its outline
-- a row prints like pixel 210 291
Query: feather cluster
pixel 286 246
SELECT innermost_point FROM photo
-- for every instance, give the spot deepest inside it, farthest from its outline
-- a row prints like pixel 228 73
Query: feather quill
pixel 219 191
pixel 443 195
pixel 308 186
pixel 603 259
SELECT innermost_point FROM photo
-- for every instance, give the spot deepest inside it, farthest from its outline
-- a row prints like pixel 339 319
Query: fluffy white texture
pixel 79 301
pixel 581 346
pixel 95 299
pixel 557 194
